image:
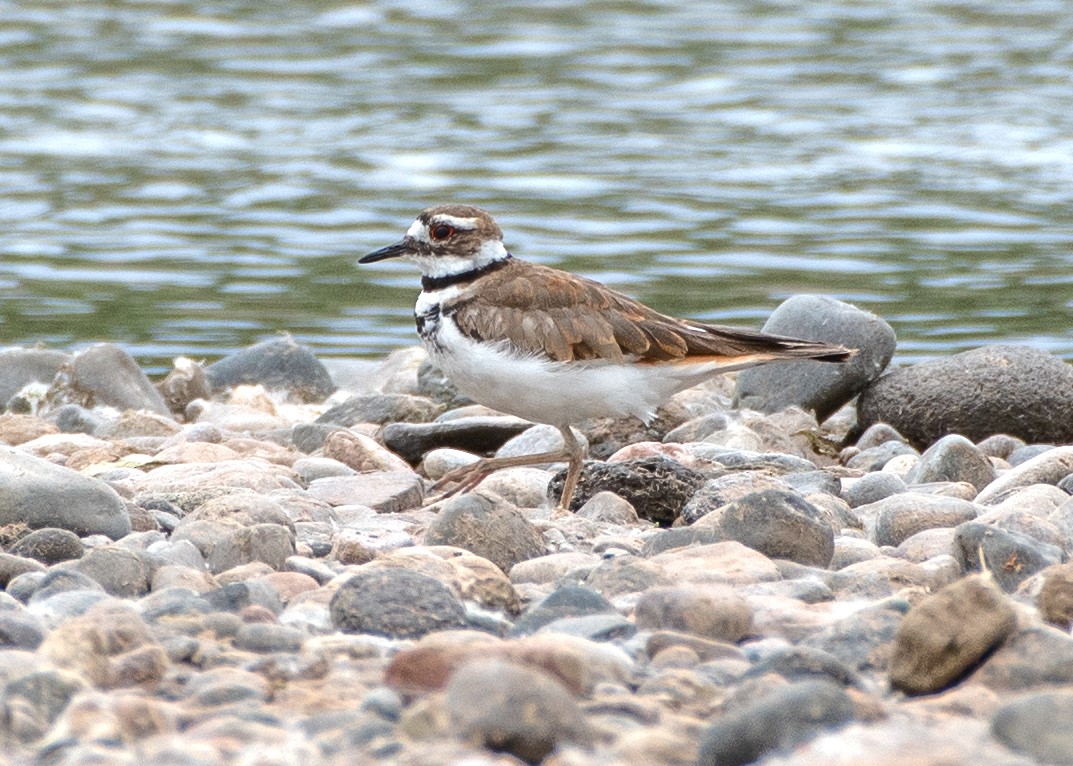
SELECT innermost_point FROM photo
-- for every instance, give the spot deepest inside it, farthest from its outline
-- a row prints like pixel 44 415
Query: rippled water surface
pixel 190 177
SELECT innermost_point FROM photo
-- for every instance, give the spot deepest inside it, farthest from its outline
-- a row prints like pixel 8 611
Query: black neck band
pixel 431 284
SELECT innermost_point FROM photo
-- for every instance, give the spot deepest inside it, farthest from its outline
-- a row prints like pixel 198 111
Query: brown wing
pixel 543 310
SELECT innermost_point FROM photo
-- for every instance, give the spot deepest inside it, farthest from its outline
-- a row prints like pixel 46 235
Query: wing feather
pixel 540 310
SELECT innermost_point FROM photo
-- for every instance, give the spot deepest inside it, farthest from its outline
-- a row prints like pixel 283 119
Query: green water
pixel 191 177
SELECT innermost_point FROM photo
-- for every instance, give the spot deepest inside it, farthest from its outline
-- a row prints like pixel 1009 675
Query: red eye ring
pixel 441 231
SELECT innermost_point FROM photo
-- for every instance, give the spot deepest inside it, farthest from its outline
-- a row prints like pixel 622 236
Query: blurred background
pixel 192 177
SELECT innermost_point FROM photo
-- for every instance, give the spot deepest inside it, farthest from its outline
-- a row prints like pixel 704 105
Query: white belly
pixel 558 393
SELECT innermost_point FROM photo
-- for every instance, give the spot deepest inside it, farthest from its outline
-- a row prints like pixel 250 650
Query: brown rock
pixel 361 453
pixel 711 611
pixel 946 635
pixel 17 429
pixel 727 562
pixel 487 526
pixel 519 710
pixel 388 492
pixel 1056 598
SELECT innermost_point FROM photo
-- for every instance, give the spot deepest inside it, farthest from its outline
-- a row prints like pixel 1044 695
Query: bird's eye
pixel 441 231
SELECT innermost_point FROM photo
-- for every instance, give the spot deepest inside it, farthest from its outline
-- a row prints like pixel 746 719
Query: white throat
pixel 448 265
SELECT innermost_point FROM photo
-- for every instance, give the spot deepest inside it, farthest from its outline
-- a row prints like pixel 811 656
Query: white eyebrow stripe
pixel 467 224
pixel 418 231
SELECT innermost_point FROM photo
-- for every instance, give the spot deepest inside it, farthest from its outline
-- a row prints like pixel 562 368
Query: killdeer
pixel 552 347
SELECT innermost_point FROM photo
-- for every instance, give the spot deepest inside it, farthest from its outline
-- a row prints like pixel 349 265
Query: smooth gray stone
pixel 820 387
pixel 41 494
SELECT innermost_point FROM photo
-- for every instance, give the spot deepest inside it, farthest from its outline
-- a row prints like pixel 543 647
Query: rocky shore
pixel 242 564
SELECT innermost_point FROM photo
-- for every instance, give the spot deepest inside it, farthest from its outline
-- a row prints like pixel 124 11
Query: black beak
pixel 391 251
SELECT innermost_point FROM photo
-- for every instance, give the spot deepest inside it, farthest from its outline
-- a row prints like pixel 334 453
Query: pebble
pixel 518 710
pixel 477 435
pixel 781 525
pixel 953 458
pixel 1039 725
pixel 281 593
pixel 713 611
pixel 1011 557
pixel 487 526
pixel 381 409
pixel 944 636
pixel 818 386
pixel 395 603
pixel 388 492
pixel 20 367
pixel 656 487
pixel 899 517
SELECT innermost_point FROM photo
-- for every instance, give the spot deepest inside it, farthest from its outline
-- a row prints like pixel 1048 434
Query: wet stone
pixel 397 603
pixel 943 637
pixel 657 488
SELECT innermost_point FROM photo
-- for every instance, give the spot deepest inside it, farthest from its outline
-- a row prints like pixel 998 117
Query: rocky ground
pixel 241 565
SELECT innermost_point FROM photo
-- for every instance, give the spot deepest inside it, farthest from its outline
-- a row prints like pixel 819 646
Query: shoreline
pixel 262 583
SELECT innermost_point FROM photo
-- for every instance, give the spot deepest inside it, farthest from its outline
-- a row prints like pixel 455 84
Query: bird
pixel 552 347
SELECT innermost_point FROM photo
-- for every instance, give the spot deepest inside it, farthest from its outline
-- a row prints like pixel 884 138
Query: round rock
pixel 953 458
pixel 514 709
pixel 279 364
pixel 944 636
pixel 656 487
pixel 41 494
pixel 49 546
pixel 488 527
pixel 779 721
pixel 397 603
pixel 1015 390
pixel 818 386
pixel 781 525
pixel 1039 725
pixel 711 611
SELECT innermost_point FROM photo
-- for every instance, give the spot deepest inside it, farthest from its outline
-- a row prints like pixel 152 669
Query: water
pixel 191 177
